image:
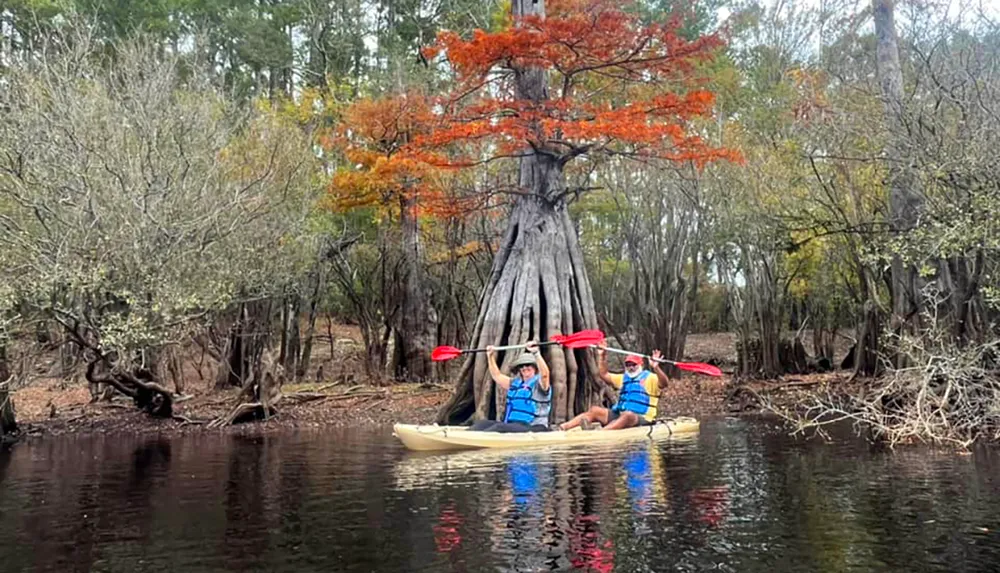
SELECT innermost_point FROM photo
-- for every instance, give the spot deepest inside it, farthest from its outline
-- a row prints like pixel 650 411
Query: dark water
pixel 739 497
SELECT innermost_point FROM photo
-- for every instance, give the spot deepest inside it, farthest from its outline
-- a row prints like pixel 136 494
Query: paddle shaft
pixel 509 347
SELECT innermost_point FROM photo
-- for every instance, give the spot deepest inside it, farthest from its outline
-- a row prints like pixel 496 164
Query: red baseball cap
pixel 634 359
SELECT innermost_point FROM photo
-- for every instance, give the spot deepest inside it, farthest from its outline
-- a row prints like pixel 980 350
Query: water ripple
pixel 740 496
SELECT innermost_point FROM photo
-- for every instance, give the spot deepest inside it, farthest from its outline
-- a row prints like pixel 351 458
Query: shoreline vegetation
pixel 193 199
pixel 52 406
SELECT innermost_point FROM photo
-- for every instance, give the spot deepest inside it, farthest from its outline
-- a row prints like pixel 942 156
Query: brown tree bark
pixel 137 383
pixel 247 338
pixel 538 285
pixel 905 199
pixel 417 331
pixel 8 423
pixel 866 351
pixel 318 283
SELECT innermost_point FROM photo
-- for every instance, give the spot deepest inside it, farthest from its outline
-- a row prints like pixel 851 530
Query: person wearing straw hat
pixel 529 394
pixel 638 394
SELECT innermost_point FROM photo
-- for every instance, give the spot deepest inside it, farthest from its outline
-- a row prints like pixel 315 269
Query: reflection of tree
pixel 246 535
pixel 5 457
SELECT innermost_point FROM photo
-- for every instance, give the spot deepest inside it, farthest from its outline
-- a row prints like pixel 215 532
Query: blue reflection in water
pixel 639 478
pixel 524 479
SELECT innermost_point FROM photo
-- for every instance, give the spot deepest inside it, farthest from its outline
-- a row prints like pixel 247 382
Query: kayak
pixel 444 438
pixel 423 470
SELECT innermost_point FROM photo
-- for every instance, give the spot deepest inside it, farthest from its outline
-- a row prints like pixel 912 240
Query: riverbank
pixel 54 406
pixel 317 406
pixel 303 406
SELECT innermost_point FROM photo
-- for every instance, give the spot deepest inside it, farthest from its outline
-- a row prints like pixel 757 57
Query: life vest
pixel 633 396
pixel 521 403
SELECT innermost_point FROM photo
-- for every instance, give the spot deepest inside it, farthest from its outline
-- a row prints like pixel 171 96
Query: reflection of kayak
pixel 428 438
pixel 418 471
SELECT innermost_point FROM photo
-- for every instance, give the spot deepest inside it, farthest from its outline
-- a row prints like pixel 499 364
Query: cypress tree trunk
pixel 905 200
pixel 8 424
pixel 416 327
pixel 538 285
pixel 291 334
pixel 246 340
pixel 319 283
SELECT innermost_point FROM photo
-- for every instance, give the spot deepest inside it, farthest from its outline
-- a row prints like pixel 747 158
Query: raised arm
pixel 660 374
pixel 543 368
pixel 602 363
pixel 499 377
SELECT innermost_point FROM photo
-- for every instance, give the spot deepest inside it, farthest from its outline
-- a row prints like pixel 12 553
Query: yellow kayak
pixel 443 438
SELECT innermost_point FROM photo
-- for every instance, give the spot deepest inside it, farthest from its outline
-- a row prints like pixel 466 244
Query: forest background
pixel 198 189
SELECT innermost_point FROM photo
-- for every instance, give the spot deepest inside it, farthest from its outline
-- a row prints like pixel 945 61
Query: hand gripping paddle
pixel 699 367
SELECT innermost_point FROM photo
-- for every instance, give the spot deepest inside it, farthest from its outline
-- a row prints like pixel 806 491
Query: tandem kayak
pixel 443 438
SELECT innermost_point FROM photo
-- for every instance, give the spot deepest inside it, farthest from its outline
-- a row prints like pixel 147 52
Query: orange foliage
pixel 374 136
pixel 616 86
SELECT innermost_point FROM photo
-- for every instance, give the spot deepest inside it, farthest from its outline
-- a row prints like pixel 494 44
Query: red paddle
pixel 699 367
pixel 582 339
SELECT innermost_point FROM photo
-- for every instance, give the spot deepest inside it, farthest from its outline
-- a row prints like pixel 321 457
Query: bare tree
pixel 905 201
pixel 137 203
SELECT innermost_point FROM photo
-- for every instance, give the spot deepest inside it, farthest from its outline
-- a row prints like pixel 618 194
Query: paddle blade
pixel 582 339
pixel 699 367
pixel 442 353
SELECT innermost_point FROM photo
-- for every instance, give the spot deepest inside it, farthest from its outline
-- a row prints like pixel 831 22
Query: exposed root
pixel 259 397
pixel 303 397
pixel 139 385
pixel 245 412
pixel 185 420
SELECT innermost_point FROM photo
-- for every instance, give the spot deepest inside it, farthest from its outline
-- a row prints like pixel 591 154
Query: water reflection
pixel 525 479
pixel 446 534
pixel 645 479
pixel 740 496
pixel 589 549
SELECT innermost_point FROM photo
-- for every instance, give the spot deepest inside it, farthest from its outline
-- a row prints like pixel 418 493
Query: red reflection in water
pixel 711 504
pixel 590 554
pixel 446 535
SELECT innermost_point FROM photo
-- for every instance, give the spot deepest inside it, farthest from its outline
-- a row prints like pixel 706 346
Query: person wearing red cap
pixel 638 394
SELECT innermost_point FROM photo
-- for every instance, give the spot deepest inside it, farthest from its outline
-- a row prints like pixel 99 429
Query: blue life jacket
pixel 633 396
pixel 521 403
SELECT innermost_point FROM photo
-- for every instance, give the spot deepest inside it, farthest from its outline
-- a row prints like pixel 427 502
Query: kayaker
pixel 529 394
pixel 639 393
